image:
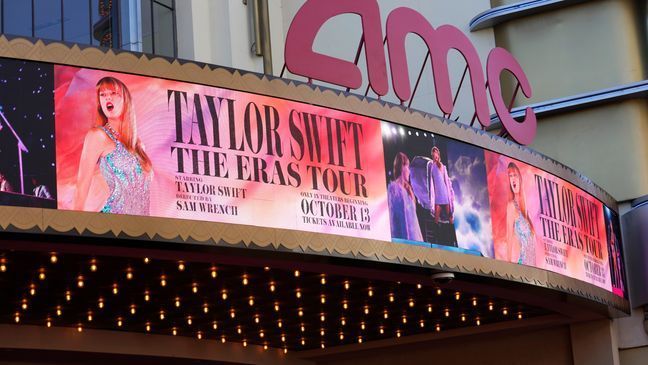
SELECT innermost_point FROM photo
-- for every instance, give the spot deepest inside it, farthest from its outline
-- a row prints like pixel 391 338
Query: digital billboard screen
pixel 92 140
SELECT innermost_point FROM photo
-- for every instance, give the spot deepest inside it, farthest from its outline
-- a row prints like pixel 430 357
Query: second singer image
pixel 112 148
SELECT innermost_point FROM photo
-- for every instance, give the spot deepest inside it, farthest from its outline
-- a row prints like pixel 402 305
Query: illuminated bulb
pixel 438 327
pixel 265 346
pixel 205 308
pixel 224 295
pixel 463 318
pixel 266 268
pixel 362 326
pixel 366 310
pixel 24 304
pixel 129 274
pixel 245 280
pixel 256 319
pixel 251 301
pixel 382 331
pixel 429 308
pixel 505 311
pixel 177 302
pixel 215 325
pixel 490 306
pixel 181 266
pixel 279 323
pixel 404 319
pixel 343 321
pixel 418 286
pixel 519 315
pixel 90 317
pixel 346 285
pixel 115 289
pixel 147 296
pixel 174 331
pixel 300 313
pixel 303 342
pixel 17 317
pixel 474 302
pixel 302 328
pixel 3 268
pixel 53 258
pixel 386 314
pixel 80 282
pixel 322 332
pixel 296 273
pixel 323 299
pixel 68 296
pixel 100 303
pixel 146 260
pixel 80 328
pixel 283 338
pixel 244 343
pixel 276 307
pixel 232 313
pixel 345 305
pixel 49 323
pixel 285 350
pixel 59 312
pixel 298 293
pixel 391 297
pixel 163 281
pixel 439 291
pixel 199 335
pixel 194 288
pixel 360 339
pixel 32 289
pixel 272 287
pixel 223 339
pixel 478 322
pixel 370 292
pixel 341 336
pixel 93 266
pixel 411 303
pixel 132 309
pixel 119 322
pixel 41 273
pixel 322 318
pixel 189 320
pixel 214 273
pixel 261 334
pixel 322 345
pixel 457 296
pixel 398 333
pixel 323 280
pixel 162 315
pixel 447 312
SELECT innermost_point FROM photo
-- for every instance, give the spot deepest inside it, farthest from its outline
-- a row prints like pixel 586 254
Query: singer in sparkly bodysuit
pixel 113 147
pixel 519 229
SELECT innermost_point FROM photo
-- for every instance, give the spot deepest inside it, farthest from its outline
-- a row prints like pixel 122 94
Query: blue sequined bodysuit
pixel 127 181
pixel 524 235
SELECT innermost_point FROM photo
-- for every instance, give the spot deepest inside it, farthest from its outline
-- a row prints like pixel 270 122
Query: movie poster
pixel 129 144
pixel 419 190
pixel 27 166
pixel 617 269
pixel 472 215
pixel 542 221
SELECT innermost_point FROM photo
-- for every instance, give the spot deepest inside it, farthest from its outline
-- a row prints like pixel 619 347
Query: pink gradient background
pixel 267 205
pixel 498 188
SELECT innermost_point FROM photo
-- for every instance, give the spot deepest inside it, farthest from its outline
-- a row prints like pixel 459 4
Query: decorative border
pixel 37 220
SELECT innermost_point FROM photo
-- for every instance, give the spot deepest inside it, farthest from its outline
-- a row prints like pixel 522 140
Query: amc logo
pixel 302 60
